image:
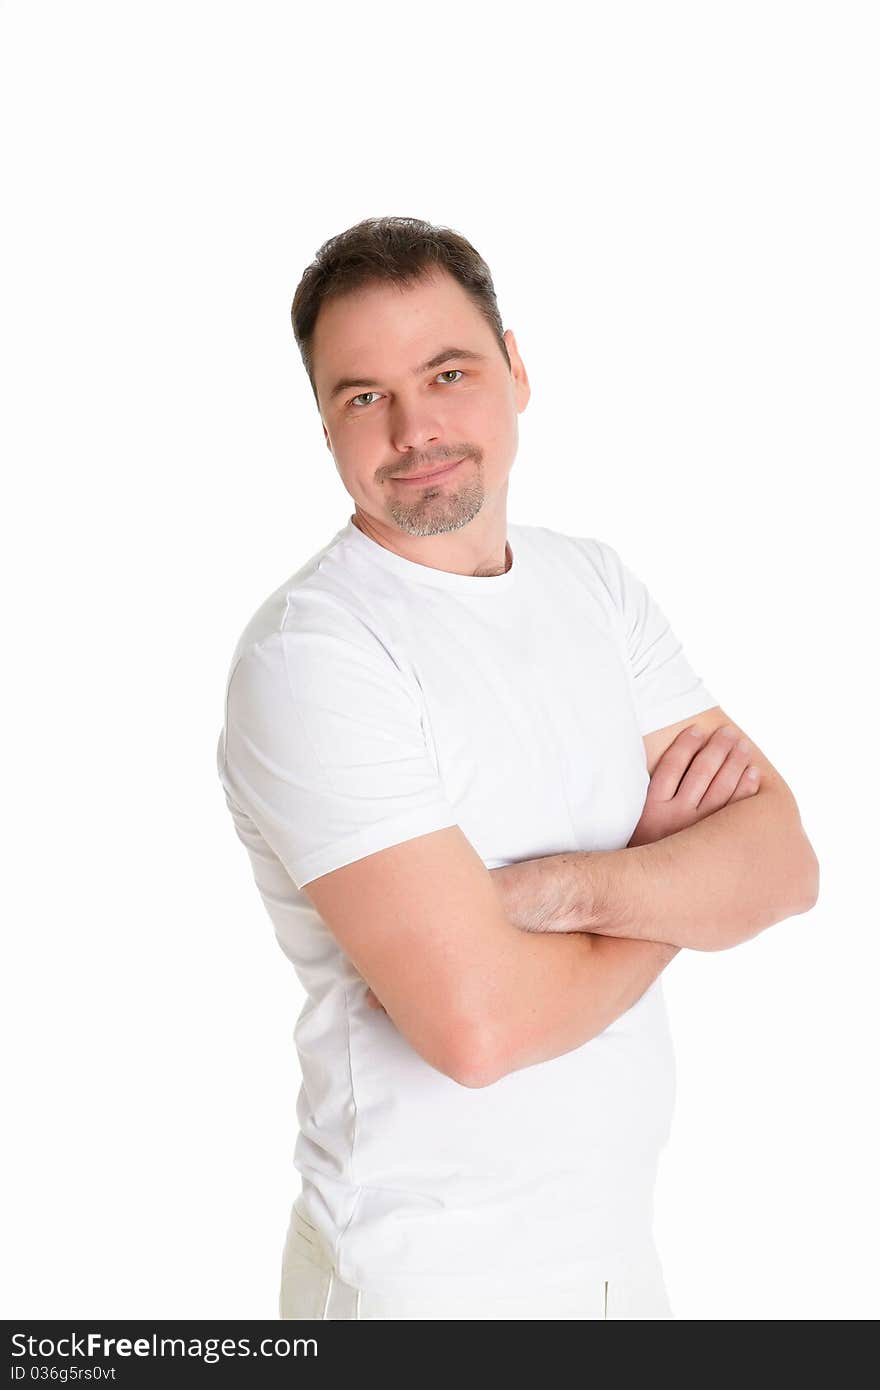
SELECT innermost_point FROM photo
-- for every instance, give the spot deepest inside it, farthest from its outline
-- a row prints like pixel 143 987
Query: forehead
pixel 389 327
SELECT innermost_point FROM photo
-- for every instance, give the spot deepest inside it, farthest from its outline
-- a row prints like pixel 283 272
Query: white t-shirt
pixel 372 699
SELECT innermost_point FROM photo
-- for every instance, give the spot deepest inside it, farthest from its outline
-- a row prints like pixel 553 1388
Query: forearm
pixel 710 886
pixel 553 993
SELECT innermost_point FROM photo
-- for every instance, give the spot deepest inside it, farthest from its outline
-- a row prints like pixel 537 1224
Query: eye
pixel 450 371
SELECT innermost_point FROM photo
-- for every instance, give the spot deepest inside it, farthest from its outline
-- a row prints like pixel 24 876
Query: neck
pixel 481 554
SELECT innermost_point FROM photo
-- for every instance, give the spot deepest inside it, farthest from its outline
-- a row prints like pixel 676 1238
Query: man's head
pixel 399 331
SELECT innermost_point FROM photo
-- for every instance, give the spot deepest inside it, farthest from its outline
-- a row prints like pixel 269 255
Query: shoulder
pixel 318 670
pixel 313 636
pixel 592 559
pixel 552 542
pixel 314 616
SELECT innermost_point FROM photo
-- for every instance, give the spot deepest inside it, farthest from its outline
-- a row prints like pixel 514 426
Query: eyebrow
pixel 444 355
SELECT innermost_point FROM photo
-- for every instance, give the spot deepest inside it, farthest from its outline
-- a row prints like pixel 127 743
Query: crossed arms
pixel 715 874
pixel 484 972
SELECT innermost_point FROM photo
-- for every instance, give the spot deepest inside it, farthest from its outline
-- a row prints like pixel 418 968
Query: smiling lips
pixel 428 477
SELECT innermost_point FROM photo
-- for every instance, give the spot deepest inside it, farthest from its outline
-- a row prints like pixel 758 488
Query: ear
pixel 520 376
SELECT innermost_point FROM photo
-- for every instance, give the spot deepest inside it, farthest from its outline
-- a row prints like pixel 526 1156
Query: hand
pixel 688 785
pixel 694 778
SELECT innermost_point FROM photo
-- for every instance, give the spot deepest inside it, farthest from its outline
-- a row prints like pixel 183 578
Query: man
pixel 439 736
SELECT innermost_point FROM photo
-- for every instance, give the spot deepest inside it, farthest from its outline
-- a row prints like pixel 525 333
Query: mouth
pixel 443 472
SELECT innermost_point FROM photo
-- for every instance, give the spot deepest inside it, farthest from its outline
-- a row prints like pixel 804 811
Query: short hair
pixel 399 250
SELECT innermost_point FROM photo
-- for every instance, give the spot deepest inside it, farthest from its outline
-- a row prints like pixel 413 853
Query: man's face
pixel 392 409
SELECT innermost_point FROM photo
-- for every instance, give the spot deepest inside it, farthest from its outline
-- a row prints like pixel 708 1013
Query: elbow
pixel 474 1063
pixel 474 1079
pixel 797 871
pixel 809 882
pixel 797 880
pixel 800 891
pixel 795 899
pixel 797 892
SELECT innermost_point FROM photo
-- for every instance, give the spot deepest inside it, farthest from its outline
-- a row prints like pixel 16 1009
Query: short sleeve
pixel 665 686
pixel 323 752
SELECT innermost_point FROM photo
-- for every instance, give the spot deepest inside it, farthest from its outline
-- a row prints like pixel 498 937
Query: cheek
pixel 358 475
pixel 495 433
pixel 361 454
pixel 484 420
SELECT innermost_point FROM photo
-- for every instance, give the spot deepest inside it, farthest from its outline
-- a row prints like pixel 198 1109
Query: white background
pixel 679 206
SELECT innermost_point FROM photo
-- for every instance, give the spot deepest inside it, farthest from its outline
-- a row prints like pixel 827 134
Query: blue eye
pixel 450 371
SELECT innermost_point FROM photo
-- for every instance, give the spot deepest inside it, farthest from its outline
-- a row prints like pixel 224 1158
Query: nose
pixel 414 428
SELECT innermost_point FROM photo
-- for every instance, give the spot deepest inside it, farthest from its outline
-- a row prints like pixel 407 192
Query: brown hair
pixel 402 250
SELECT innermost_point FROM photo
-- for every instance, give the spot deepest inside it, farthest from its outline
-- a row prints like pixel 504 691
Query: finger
pixel 727 779
pixel 672 766
pixel 747 785
pixel 705 766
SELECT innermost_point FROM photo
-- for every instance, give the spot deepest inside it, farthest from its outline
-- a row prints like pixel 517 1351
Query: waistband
pixel 562 1279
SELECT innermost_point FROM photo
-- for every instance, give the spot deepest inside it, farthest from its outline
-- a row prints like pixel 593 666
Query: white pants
pixel 311 1290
